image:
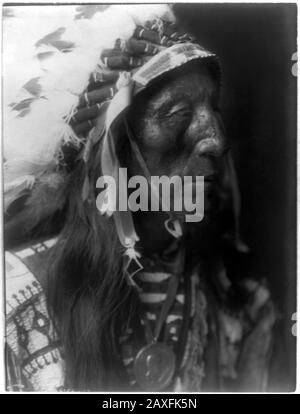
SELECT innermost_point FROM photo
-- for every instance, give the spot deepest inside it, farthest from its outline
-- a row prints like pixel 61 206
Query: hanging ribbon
pixel 111 167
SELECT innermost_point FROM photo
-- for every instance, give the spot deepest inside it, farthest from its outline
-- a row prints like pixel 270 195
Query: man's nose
pixel 210 146
pixel 210 135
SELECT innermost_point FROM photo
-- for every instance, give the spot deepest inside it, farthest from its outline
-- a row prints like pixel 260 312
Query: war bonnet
pixel 50 55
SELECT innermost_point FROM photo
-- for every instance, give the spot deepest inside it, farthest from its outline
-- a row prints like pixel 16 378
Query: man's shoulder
pixel 26 273
pixel 34 361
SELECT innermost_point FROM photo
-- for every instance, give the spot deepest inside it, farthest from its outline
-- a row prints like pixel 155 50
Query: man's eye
pixel 179 110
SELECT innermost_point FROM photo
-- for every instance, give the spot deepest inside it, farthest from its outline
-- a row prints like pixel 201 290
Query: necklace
pixel 155 364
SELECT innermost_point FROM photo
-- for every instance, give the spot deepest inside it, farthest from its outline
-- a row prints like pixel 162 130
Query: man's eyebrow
pixel 175 99
pixel 167 105
pixel 184 98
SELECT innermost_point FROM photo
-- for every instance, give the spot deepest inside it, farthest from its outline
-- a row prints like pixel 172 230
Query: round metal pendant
pixel 154 367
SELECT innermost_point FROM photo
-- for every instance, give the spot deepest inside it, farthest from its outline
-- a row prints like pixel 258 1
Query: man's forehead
pixel 186 85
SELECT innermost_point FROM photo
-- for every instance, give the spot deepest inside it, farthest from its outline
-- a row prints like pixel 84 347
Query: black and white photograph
pixel 149 196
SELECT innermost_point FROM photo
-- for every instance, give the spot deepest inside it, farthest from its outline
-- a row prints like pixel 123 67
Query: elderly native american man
pixel 125 300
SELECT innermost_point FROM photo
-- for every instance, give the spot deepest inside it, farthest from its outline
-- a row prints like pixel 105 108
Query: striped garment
pixel 153 293
pixel 35 361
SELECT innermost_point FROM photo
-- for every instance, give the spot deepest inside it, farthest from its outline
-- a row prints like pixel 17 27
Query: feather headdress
pixel 46 76
pixel 48 56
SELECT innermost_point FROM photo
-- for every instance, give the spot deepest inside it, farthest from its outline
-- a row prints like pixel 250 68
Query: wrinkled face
pixel 178 129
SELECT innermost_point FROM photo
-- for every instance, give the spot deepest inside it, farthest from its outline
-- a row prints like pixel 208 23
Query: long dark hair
pixel 87 294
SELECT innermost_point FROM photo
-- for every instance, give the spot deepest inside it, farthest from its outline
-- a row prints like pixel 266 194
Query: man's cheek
pixel 173 163
pixel 153 136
